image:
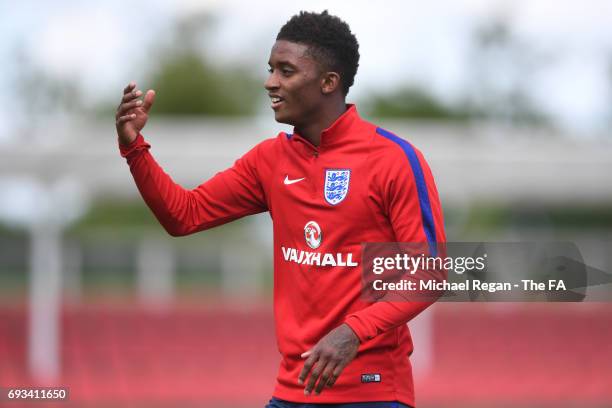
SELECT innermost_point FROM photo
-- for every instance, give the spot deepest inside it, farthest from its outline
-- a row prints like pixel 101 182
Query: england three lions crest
pixel 336 185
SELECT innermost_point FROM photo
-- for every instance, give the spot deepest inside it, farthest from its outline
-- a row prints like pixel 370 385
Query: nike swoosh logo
pixel 287 181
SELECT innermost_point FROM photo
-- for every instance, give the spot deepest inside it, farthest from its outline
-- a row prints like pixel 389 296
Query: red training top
pixel 362 184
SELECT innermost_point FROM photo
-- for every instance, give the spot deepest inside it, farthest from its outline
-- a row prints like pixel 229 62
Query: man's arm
pixel 228 195
pixel 415 212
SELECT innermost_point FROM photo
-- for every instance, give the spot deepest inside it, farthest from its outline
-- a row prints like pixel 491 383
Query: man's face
pixel 294 83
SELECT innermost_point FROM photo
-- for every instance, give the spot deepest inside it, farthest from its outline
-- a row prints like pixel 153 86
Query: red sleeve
pixel 412 204
pixel 228 195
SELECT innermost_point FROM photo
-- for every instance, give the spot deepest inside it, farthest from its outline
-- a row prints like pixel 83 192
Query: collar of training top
pixel 341 128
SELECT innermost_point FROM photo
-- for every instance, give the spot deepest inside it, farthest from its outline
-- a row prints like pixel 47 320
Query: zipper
pixel 312 154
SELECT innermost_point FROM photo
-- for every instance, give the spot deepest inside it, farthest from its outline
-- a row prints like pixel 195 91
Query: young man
pixel 334 183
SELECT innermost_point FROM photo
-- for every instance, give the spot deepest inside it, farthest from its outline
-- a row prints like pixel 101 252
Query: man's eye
pixel 287 72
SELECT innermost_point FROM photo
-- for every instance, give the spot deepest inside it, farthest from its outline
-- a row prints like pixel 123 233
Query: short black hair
pixel 330 42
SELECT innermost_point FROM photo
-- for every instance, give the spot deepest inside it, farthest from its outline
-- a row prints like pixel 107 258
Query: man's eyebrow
pixel 282 62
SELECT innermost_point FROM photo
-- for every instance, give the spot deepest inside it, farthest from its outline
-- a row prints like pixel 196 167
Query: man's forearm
pixel 228 195
pixel 383 316
pixel 165 198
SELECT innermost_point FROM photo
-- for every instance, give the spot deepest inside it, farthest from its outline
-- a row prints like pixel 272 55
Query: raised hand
pixel 328 358
pixel 132 113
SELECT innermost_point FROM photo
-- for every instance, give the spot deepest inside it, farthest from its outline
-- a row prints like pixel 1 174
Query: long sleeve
pixel 412 205
pixel 230 194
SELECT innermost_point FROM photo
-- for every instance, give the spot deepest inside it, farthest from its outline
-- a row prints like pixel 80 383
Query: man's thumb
pixel 148 100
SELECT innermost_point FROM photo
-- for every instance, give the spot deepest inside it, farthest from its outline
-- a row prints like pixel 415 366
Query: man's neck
pixel 312 131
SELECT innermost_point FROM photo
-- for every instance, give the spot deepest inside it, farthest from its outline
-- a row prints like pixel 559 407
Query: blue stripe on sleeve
pixel 426 214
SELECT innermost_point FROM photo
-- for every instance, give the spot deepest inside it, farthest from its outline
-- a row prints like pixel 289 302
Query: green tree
pixel 39 93
pixel 501 68
pixel 501 73
pixel 412 102
pixel 188 83
pixel 185 84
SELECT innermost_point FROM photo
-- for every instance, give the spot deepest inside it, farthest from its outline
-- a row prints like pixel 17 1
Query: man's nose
pixel 272 82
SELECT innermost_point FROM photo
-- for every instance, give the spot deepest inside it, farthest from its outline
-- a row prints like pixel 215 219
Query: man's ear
pixel 330 82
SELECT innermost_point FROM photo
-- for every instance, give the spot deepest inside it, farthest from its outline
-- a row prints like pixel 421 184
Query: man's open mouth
pixel 276 101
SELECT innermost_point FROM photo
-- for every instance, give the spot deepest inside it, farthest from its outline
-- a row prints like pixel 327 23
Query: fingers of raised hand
pixel 131 95
pixel 129 87
pixel 126 107
pixel 148 100
pixel 125 118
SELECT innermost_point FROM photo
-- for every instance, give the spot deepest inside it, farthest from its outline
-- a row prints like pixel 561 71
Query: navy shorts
pixel 278 403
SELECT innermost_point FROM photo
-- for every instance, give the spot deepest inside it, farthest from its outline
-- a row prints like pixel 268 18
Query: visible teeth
pixel 275 100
